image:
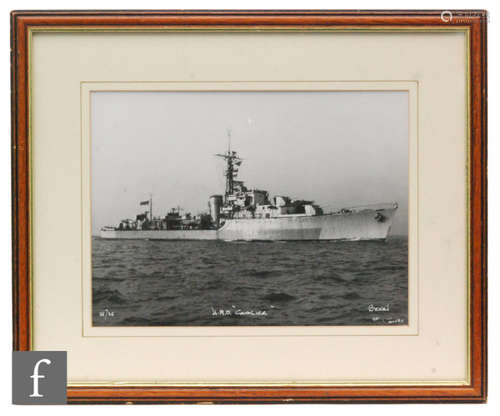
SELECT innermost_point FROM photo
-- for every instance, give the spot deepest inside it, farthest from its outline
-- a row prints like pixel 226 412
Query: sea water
pixel 216 283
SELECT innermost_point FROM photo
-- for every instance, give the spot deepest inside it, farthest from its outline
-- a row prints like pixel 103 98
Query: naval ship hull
pixel 360 224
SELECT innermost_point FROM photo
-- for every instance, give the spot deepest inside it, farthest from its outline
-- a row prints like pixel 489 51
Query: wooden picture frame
pixel 473 21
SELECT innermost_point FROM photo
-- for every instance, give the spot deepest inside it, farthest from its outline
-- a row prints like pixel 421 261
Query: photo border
pixel 411 328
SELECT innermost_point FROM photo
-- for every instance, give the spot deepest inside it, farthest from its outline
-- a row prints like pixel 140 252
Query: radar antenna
pixel 233 161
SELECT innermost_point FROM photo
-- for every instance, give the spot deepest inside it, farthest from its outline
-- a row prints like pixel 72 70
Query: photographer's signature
pixel 381 309
pixel 390 321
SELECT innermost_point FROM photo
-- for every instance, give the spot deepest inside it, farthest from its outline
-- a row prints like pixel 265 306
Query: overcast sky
pixel 336 148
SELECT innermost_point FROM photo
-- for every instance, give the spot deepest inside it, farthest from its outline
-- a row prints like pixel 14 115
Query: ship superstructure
pixel 251 214
pixel 240 202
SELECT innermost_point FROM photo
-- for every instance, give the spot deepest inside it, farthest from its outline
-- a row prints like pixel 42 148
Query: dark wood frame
pixel 475 20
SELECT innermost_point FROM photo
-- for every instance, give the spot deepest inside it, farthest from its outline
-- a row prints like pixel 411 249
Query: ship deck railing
pixel 359 208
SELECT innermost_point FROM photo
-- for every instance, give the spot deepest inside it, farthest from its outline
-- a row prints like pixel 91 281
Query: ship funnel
pixel 215 204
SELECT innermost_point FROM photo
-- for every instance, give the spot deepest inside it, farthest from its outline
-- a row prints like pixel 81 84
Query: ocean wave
pixel 259 273
pixel 351 296
pixel 135 321
pixel 108 295
pixel 279 297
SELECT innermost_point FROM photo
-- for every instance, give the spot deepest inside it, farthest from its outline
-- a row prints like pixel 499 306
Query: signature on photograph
pixel 388 321
pixel 106 313
pixel 235 311
pixel 379 308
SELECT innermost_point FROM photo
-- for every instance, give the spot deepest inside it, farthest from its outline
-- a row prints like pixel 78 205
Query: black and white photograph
pixel 249 208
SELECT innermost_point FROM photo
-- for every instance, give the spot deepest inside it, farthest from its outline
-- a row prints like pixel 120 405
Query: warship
pixel 252 215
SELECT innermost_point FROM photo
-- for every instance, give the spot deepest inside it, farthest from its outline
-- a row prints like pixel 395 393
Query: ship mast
pixel 151 207
pixel 232 163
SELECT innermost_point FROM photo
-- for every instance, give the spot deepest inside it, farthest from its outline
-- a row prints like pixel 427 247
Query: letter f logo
pixel 37 376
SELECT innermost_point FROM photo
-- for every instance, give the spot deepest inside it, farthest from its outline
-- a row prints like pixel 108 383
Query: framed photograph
pixel 236 206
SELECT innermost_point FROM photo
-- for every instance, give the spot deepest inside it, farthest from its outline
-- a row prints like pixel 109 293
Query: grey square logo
pixel 39 377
